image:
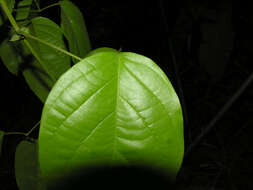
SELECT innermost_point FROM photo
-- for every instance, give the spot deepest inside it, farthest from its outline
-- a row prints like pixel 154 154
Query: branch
pixel 22 133
pixel 218 116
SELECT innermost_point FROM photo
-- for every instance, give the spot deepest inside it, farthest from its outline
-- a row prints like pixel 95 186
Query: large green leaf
pixel 74 29
pixel 1 140
pixel 27 166
pixel 39 79
pixel 111 108
pixel 10 57
pixel 55 62
pixel 35 76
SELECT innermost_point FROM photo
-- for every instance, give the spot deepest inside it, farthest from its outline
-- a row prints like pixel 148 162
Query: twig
pixel 22 133
pixel 218 116
pixel 27 35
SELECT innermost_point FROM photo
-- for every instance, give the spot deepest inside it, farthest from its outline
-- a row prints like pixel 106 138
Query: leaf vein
pixel 145 86
pixel 89 98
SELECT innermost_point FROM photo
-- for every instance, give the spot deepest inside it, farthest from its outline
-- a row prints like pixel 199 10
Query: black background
pixel 186 30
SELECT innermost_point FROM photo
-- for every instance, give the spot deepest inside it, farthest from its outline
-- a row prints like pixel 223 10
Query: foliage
pixel 110 108
pixel 27 167
pixel 107 109
pixel 73 26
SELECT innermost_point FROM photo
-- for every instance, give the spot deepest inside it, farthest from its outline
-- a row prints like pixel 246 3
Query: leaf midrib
pixel 116 106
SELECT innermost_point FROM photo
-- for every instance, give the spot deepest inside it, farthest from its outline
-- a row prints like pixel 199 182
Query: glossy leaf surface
pixel 111 108
pixel 74 29
pixel 56 62
pixel 27 166
pixel 99 50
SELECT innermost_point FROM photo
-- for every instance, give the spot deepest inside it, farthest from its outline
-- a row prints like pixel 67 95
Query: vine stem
pixel 17 29
pixel 27 35
pixel 24 134
pixel 9 15
pixel 40 10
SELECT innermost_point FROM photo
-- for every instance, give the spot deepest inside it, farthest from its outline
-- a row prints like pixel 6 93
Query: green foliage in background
pixel 27 167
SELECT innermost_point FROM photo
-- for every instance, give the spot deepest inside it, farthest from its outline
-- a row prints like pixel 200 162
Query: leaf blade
pixel 9 57
pixel 27 166
pixel 23 10
pixel 45 29
pixel 126 112
pixel 74 29
pixel 10 4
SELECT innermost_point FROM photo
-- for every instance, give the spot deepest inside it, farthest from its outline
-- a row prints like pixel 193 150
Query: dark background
pixel 204 47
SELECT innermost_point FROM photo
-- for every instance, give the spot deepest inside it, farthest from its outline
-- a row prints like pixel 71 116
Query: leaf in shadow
pixel 74 29
pixel 37 79
pixel 27 170
pixel 23 10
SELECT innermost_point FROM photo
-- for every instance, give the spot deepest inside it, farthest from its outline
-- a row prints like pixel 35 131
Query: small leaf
pixel 27 166
pixel 99 50
pixel 10 57
pixel 1 141
pixel 23 10
pixel 15 38
pixel 74 29
pixel 38 80
pixel 56 62
pixel 111 108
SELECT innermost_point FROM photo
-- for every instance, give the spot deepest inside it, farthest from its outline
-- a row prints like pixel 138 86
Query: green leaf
pixel 27 166
pixel 9 57
pixel 15 38
pixel 35 76
pixel 10 4
pixel 38 80
pixel 74 29
pixel 111 108
pixel 99 50
pixel 55 62
pixel 23 10
pixel 1 140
